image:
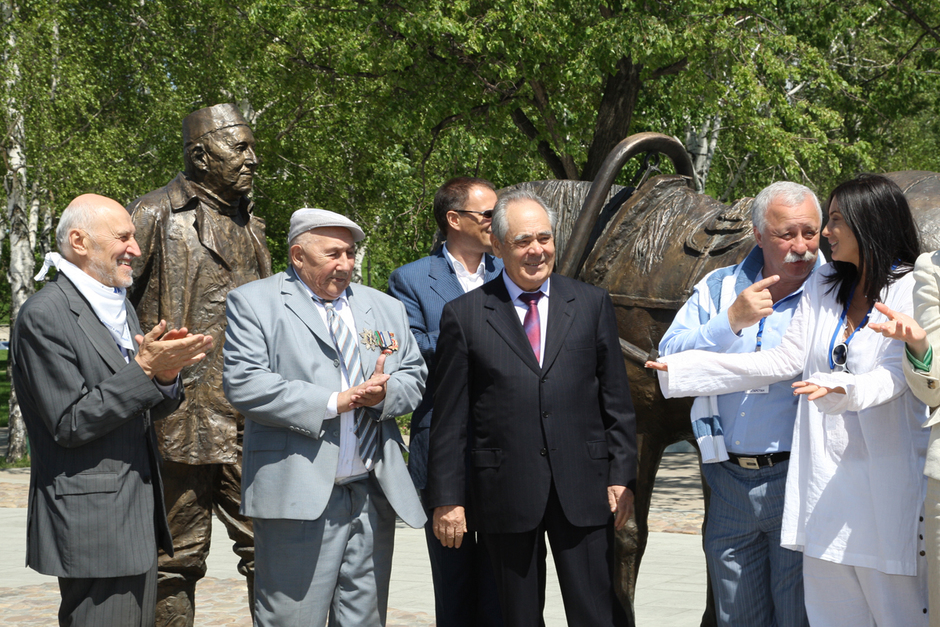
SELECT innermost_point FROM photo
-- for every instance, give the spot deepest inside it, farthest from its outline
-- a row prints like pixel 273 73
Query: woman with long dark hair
pixel 855 488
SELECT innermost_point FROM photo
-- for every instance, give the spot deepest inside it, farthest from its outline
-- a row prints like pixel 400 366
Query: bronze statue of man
pixel 199 239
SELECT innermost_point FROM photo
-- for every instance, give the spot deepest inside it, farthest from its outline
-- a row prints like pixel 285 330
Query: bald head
pixel 96 234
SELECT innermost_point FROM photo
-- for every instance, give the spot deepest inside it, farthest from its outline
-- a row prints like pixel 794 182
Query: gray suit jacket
pixel 95 497
pixel 280 369
pixel 926 385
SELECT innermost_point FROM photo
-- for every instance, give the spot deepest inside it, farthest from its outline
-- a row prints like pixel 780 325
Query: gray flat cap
pixel 304 220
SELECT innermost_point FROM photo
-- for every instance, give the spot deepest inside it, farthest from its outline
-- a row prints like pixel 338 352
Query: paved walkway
pixel 670 590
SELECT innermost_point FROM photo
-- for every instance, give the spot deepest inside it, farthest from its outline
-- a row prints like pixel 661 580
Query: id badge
pixel 761 390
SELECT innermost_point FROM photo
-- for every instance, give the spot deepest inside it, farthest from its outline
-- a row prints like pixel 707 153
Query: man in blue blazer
pixel 464 588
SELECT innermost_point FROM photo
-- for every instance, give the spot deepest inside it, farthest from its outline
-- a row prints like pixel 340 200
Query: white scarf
pixel 108 303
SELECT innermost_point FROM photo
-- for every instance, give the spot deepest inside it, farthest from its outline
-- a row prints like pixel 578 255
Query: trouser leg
pixel 518 561
pixel 754 580
pixel 337 566
pixel 112 601
pixel 227 497
pixel 585 565
pixel 188 495
pixel 465 592
pixel 932 542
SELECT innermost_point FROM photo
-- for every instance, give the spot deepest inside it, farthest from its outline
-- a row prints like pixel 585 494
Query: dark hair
pixel 876 211
pixel 453 195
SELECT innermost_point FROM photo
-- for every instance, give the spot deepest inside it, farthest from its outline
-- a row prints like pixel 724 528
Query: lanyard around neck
pixel 760 325
pixel 835 334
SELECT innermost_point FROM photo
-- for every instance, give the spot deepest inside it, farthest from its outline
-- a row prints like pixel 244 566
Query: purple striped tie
pixel 531 324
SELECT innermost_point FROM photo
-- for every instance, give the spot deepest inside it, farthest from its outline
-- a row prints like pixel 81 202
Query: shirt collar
pixel 515 290
pixel 339 303
pixel 459 268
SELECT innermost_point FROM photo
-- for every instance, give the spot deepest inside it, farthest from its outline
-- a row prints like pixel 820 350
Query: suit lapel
pixel 97 334
pixel 503 318
pixel 560 317
pixel 299 302
pixel 364 316
pixel 444 280
pixel 491 270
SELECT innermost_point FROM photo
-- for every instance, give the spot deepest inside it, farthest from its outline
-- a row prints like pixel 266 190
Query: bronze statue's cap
pixel 203 121
pixel 304 220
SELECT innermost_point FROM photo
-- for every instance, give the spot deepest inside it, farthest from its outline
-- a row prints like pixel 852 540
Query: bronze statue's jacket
pixel 192 255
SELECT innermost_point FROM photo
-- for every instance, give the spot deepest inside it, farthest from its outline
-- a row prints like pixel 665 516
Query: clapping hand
pixel 162 354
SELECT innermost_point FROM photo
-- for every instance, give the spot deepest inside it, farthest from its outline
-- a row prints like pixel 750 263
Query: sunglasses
pixel 840 357
pixel 487 215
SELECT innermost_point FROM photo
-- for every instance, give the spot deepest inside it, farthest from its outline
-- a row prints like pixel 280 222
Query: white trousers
pixel 932 533
pixel 852 596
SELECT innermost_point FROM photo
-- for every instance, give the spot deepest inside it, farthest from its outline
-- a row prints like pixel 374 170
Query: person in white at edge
pixel 855 490
pixel 322 502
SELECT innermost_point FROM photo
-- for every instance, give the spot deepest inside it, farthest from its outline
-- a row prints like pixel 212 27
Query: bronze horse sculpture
pixel 648 248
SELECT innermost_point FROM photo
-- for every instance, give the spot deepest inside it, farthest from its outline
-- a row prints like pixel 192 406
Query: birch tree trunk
pixel 701 143
pixel 22 214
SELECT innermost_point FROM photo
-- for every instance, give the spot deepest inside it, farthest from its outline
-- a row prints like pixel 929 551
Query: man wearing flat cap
pixel 199 239
pixel 320 368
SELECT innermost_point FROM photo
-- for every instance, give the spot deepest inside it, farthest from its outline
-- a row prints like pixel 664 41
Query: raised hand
pixel 162 354
pixel 369 393
pixel 752 304
pixel 902 327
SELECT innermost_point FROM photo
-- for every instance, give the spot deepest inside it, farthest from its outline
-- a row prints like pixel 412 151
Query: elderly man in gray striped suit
pixel 90 386
pixel 320 368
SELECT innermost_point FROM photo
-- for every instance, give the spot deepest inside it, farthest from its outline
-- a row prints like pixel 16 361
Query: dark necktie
pixel 531 324
pixel 367 430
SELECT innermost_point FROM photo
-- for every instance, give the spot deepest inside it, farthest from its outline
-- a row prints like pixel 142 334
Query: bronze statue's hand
pixel 902 327
pixel 162 355
pixel 752 304
pixel 450 525
pixel 620 499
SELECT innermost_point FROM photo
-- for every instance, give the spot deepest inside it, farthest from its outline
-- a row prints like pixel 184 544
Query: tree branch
pixel 524 124
pixel 909 12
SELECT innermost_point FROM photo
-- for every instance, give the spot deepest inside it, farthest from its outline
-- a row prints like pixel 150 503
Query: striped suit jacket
pixel 95 496
pixel 424 287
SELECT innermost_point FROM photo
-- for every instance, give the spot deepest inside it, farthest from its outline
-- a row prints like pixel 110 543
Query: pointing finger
pixel 765 283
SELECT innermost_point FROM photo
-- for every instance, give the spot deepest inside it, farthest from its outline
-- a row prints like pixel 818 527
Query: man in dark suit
pixel 464 589
pixel 531 383
pixel 90 385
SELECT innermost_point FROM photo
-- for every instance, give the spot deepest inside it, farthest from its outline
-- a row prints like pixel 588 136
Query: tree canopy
pixel 366 106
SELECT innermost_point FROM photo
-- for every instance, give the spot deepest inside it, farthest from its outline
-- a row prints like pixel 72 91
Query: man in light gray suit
pixel 90 385
pixel 320 369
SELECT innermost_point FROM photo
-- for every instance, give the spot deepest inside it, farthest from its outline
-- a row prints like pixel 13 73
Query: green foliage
pixel 365 106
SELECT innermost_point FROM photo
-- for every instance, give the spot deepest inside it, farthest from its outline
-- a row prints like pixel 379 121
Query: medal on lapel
pixel 381 340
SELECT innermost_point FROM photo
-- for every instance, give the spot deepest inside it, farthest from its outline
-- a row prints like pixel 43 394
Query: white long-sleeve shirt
pixel 855 487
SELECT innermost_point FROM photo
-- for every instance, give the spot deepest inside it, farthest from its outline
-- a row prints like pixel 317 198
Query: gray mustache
pixel 792 257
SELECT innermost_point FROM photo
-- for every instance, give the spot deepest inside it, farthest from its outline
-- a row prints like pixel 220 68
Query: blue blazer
pixel 425 286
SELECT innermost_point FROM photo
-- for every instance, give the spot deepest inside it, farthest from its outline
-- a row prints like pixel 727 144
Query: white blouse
pixel 855 487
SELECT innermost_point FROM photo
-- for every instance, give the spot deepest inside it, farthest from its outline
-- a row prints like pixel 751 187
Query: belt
pixel 753 462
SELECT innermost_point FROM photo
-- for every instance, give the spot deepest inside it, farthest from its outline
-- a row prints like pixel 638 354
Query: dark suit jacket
pixel 95 497
pixel 425 286
pixel 570 421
